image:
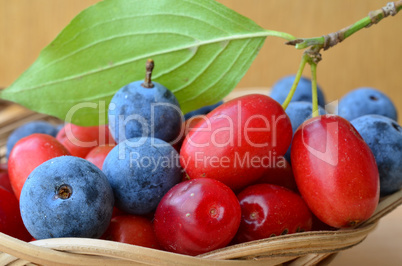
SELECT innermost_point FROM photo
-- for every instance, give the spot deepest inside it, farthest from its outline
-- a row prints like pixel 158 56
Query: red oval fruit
pixel 132 229
pixel 98 154
pixel 280 173
pixel 270 210
pixel 79 140
pixel 10 217
pixel 335 171
pixel 197 216
pixel 186 127
pixel 4 178
pixel 27 154
pixel 5 181
pixel 237 140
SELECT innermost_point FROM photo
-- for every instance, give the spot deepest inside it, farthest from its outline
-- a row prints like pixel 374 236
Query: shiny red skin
pixel 197 216
pixel 10 218
pixel 27 154
pixel 79 140
pixel 341 183
pixel 98 154
pixel 4 178
pixel 280 174
pixel 186 127
pixel 5 181
pixel 269 210
pixel 116 212
pixel 132 229
pixel 238 138
pixel 191 123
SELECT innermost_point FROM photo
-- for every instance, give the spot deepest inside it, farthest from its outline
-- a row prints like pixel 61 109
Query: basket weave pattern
pixel 307 248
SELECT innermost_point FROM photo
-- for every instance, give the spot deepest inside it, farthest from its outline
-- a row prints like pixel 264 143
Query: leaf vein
pixel 150 55
pixel 221 76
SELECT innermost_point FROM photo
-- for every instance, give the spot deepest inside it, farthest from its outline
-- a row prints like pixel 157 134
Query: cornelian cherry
pixel 27 154
pixel 132 229
pixel 270 210
pixel 10 217
pixel 98 154
pixel 335 171
pixel 279 173
pixel 79 140
pixel 5 181
pixel 237 140
pixel 197 216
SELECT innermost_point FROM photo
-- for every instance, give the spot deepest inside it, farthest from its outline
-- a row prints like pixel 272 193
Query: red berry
pixel 3 167
pixel 79 141
pixel 98 154
pixel 270 210
pixel 5 181
pixel 335 171
pixel 197 216
pixel 27 154
pixel 10 217
pixel 132 229
pixel 237 140
pixel 279 173
pixel 191 123
pixel 187 126
pixel 4 178
pixel 117 212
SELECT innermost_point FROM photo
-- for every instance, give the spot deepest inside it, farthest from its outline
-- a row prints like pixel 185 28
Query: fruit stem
pixel 299 73
pixel 314 89
pixel 327 41
pixel 147 81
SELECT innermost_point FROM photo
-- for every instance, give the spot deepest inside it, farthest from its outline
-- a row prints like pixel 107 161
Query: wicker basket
pixel 307 248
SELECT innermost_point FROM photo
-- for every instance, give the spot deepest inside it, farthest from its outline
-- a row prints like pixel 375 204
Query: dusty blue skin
pixel 366 101
pixel 86 213
pixel 133 103
pixel 28 129
pixel 384 137
pixel 203 110
pixel 303 91
pixel 141 171
pixel 299 112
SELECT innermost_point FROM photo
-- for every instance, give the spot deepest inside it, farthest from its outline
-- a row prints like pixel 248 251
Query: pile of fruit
pixel 237 171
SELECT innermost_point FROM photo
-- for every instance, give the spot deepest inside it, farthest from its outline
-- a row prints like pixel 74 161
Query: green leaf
pixel 201 51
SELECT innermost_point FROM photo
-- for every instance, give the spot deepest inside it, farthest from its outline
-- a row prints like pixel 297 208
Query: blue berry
pixel 303 90
pixel 384 137
pixel 299 112
pixel 366 101
pixel 144 109
pixel 202 111
pixel 66 197
pixel 28 129
pixel 141 171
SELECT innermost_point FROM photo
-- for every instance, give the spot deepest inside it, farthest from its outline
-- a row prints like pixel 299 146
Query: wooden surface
pixel 372 57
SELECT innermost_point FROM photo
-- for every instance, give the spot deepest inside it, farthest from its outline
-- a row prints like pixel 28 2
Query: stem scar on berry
pixel 63 192
pixel 353 223
pixel 214 213
pixel 148 74
pixel 254 216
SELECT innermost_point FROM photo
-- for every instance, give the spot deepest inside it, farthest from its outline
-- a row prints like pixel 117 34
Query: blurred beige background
pixel 372 57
